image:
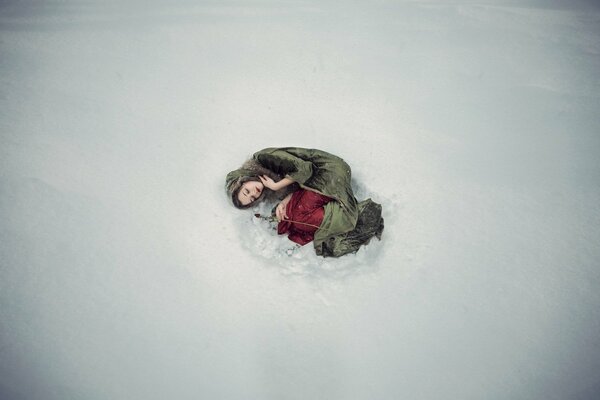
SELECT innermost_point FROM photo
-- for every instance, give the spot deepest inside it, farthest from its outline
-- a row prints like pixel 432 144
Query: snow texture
pixel 126 274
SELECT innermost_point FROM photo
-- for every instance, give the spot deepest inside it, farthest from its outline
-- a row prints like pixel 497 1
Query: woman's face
pixel 250 191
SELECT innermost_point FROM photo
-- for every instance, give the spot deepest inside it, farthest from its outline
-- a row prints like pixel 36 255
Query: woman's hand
pixel 280 211
pixel 268 182
pixel 271 184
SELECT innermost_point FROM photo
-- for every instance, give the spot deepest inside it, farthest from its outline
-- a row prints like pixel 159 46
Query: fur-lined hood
pixel 250 169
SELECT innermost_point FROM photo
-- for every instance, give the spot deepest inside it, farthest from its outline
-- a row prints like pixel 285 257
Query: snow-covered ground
pixel 125 273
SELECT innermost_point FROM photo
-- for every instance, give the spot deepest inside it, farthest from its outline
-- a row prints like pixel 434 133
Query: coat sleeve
pixel 284 163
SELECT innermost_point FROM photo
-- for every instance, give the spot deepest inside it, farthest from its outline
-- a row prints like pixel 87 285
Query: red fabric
pixel 305 207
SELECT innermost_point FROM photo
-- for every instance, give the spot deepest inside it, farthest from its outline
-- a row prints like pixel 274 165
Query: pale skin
pixel 251 191
pixel 281 210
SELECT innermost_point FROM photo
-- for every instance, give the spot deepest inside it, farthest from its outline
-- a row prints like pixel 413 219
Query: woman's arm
pixel 284 163
pixel 271 184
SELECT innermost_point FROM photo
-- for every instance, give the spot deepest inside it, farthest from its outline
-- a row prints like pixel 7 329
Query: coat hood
pixel 251 168
pixel 233 179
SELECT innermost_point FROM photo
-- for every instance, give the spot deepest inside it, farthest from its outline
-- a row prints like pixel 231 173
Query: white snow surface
pixel 126 274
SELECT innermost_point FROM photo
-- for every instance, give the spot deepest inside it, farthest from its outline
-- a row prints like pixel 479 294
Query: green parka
pixel 346 224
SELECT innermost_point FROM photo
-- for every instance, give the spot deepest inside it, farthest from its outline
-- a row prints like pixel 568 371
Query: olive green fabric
pixel 330 175
pixel 369 224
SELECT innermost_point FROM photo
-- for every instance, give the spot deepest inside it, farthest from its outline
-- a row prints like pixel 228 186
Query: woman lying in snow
pixel 319 204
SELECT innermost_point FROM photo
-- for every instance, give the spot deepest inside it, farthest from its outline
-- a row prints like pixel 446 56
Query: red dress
pixel 305 214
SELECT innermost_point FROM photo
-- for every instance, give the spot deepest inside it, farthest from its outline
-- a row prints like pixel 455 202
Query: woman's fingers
pixel 280 212
pixel 268 182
